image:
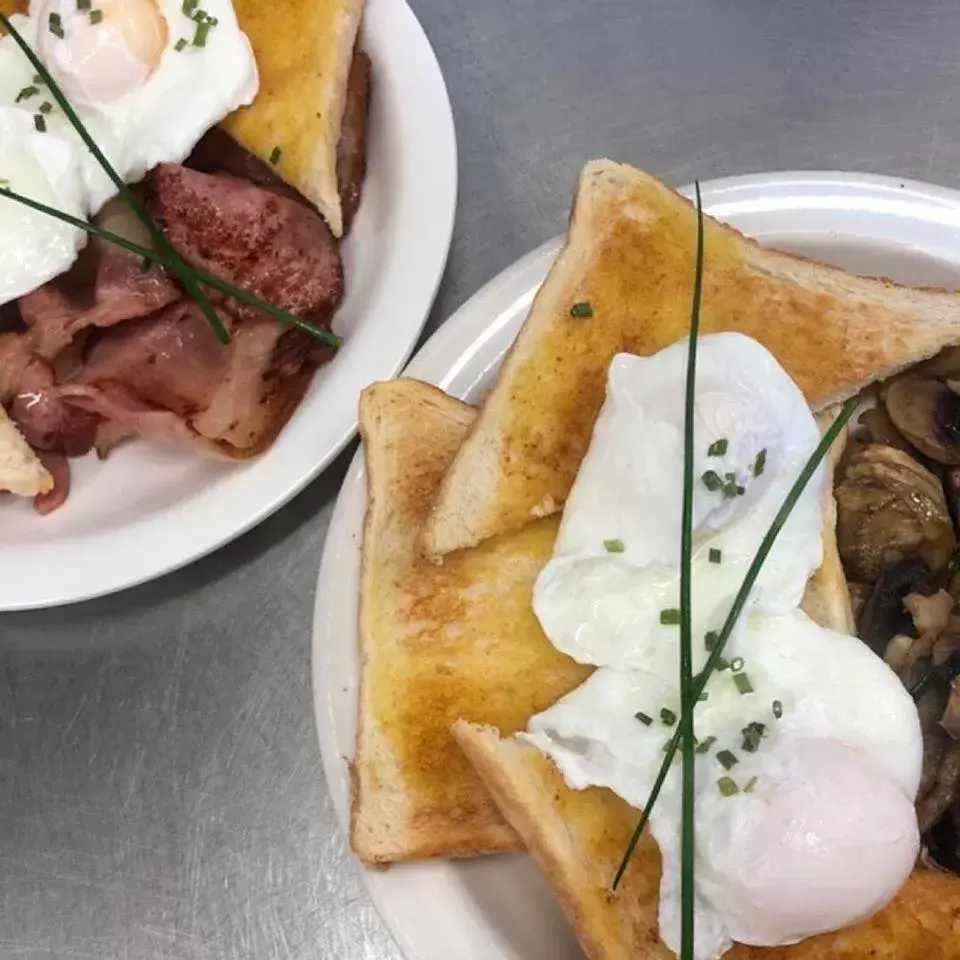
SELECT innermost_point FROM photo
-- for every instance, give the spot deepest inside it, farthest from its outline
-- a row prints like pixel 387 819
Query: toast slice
pixel 630 256
pixel 437 642
pixel 304 50
pixel 21 470
pixel 827 598
pixel 577 839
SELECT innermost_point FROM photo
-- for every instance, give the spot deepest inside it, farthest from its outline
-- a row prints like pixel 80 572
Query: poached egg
pixel 144 87
pixel 809 748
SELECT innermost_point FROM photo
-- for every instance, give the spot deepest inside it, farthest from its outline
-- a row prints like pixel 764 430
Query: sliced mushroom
pixel 889 507
pixel 945 790
pixel 927 413
pixel 879 428
pixel 897 651
pixel 951 716
pixel 884 615
pixel 942 842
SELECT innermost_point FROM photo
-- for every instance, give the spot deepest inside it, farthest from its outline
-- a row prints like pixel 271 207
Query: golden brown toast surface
pixel 303 50
pixel 578 837
pixel 630 255
pixel 437 642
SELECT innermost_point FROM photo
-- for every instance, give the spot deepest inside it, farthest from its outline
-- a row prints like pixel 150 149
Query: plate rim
pixel 466 329
pixel 427 109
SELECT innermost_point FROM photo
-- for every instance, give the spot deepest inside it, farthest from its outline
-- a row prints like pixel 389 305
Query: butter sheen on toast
pixel 630 256
pixel 437 643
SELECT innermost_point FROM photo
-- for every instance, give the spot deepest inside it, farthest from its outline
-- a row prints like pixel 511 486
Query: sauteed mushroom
pixel 890 507
pixel 884 615
pixel 927 413
pixel 879 428
pixel 943 841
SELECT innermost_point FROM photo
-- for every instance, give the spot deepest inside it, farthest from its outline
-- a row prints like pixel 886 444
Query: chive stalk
pixel 179 265
pixel 739 602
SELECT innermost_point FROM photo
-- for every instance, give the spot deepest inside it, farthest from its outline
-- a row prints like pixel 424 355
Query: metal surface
pixel 160 786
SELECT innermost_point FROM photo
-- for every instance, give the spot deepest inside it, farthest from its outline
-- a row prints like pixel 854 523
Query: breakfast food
pixel 201 310
pixel 437 643
pixel 21 471
pixel 301 113
pixel 144 101
pixel 810 746
pixel 826 803
pixel 577 838
pixel 622 284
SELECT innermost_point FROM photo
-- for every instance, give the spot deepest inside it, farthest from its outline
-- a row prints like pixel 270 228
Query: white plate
pixel 150 509
pixel 498 908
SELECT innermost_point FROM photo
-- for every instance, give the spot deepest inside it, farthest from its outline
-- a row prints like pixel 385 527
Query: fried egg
pixel 146 78
pixel 809 748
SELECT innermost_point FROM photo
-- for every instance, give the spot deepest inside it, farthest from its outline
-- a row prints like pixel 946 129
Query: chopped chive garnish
pixel 614 546
pixel 760 464
pixel 582 310
pixel 670 618
pixel 668 716
pixel 275 155
pixel 736 664
pixel 84 4
pixel 55 25
pixel 710 639
pixel 728 786
pixel 737 608
pixel 200 16
pixel 741 490
pixel 703 697
pixel 200 37
pixel 181 45
pixel 743 683
pixel 711 480
pixel 727 759
pixel 715 555
pixel 718 448
pixel 45 107
pixel 39 123
pixel 723 663
pixel 189 6
pixel 38 79
pixel 213 21
pixel 777 709
pixel 644 719
pixel 704 745
pixel 751 783
pixel 26 93
pixel 752 735
pixel 96 16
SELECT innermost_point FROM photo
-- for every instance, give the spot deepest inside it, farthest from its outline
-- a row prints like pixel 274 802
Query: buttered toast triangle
pixel 304 49
pixel 629 264
pixel 578 837
pixel 437 642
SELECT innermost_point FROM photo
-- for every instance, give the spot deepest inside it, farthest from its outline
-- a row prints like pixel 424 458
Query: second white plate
pixel 499 908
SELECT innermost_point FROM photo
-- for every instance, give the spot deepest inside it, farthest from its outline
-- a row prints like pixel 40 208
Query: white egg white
pixel 808 770
pixel 159 119
pixel 604 608
pixel 33 247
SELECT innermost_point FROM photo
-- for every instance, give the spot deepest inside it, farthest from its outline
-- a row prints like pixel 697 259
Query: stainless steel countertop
pixel 160 787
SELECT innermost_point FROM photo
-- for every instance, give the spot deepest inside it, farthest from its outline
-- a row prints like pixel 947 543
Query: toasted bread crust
pixel 577 838
pixel 630 253
pixel 303 49
pixel 437 642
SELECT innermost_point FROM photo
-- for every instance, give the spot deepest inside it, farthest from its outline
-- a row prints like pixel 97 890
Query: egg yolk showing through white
pixel 147 78
pixel 809 747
